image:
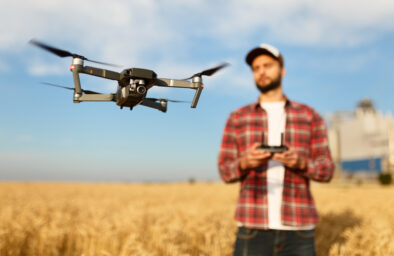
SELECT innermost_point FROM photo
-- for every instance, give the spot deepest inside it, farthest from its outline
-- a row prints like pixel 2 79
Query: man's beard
pixel 271 86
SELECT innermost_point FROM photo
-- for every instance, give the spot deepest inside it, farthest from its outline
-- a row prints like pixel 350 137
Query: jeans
pixel 253 242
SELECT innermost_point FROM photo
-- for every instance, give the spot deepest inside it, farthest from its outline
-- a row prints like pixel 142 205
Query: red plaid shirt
pixel 306 133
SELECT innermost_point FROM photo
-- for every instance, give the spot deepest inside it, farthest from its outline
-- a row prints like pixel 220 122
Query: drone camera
pixel 138 79
pixel 138 86
pixel 141 90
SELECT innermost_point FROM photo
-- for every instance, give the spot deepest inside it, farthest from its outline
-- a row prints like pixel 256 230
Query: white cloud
pixel 115 29
pixel 43 69
pixel 307 22
pixel 164 35
pixel 126 29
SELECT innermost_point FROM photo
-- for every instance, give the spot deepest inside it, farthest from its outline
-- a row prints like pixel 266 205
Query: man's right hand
pixel 254 157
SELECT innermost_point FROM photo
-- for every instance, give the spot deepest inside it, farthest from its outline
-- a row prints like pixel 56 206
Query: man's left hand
pixel 291 159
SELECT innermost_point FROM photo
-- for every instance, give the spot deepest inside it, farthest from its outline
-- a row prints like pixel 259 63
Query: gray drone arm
pixel 77 67
pixel 97 97
pixel 167 82
pixel 195 84
pixel 78 96
pixel 104 73
pixel 161 105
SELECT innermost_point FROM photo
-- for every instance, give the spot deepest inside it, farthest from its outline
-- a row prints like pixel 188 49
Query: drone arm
pixel 196 97
pixel 97 97
pixel 77 67
pixel 108 74
pixel 77 84
pixel 196 84
pixel 166 82
pixel 162 106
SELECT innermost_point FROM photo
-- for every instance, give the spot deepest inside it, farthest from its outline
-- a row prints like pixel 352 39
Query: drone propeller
pixel 167 100
pixel 209 72
pixel 63 53
pixel 70 88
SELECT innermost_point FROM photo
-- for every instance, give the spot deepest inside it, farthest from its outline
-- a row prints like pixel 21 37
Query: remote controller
pixel 274 149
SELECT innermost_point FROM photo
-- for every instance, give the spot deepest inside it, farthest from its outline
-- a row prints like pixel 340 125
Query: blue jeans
pixel 253 242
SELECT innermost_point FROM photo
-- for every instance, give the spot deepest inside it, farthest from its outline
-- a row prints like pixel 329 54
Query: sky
pixel 336 53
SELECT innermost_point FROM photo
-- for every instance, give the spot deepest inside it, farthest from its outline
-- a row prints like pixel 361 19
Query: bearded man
pixel 275 212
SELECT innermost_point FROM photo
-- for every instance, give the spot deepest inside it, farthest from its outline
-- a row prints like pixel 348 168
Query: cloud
pixel 307 22
pixel 175 37
pixel 42 69
pixel 117 29
pixel 126 29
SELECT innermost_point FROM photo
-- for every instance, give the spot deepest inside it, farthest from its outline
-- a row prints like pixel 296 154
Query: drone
pixel 133 83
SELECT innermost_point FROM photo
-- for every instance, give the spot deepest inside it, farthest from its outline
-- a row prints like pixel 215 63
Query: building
pixel 363 140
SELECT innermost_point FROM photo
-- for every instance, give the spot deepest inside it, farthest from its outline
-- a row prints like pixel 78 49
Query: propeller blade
pixel 56 51
pixel 167 100
pixel 104 63
pixel 63 53
pixel 60 86
pixel 210 72
pixel 70 88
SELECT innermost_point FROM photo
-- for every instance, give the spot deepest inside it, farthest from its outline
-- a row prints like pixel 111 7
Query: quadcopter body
pixel 133 83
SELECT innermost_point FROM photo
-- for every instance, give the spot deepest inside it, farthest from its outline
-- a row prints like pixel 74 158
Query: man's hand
pixel 254 157
pixel 291 159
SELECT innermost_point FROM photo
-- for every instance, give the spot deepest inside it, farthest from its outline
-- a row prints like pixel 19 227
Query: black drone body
pixel 133 83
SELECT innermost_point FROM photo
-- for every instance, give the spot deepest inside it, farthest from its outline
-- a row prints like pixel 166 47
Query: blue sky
pixel 336 53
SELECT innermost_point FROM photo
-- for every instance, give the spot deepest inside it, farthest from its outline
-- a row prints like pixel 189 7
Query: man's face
pixel 267 73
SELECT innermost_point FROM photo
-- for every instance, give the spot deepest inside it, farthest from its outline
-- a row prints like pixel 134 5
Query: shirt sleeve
pixel 320 165
pixel 228 160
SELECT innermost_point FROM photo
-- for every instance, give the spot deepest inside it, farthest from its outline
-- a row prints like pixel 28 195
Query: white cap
pixel 264 49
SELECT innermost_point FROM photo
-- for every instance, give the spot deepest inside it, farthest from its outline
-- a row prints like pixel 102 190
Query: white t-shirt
pixel 276 171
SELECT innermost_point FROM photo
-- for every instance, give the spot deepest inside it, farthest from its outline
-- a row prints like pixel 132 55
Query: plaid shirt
pixel 306 133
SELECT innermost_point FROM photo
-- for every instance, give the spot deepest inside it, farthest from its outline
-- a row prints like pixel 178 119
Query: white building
pixel 362 140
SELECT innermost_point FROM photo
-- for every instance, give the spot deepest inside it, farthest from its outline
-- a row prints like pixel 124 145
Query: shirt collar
pixel 288 104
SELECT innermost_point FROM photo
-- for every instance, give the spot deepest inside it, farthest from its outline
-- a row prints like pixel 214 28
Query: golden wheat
pixel 174 219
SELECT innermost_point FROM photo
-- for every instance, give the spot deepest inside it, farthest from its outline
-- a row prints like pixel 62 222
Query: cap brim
pixel 256 52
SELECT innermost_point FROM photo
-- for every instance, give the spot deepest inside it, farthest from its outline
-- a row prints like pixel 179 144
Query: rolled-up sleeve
pixel 320 164
pixel 228 160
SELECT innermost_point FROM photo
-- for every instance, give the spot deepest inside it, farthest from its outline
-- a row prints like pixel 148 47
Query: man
pixel 275 211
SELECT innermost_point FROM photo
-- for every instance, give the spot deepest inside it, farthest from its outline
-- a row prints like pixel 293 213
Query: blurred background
pixel 339 58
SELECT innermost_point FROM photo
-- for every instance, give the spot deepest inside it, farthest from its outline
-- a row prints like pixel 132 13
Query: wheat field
pixel 174 219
